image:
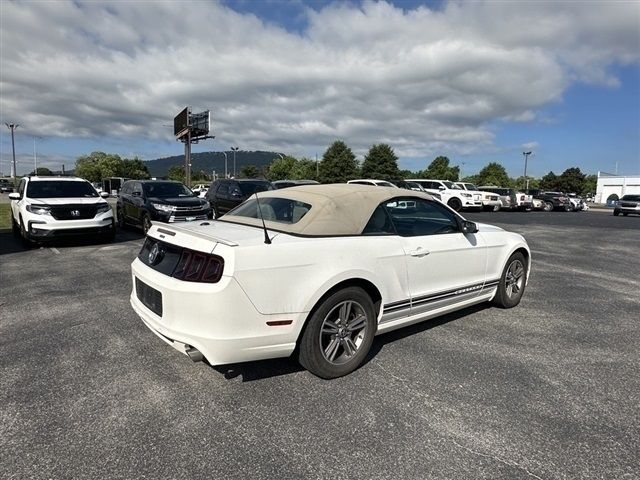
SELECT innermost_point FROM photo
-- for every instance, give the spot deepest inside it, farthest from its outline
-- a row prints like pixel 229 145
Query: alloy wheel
pixel 342 332
pixel 514 279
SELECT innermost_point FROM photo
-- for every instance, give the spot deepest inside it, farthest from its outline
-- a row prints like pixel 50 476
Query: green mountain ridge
pixel 212 161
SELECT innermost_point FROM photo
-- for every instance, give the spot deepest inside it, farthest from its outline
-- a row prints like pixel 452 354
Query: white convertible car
pixel 318 271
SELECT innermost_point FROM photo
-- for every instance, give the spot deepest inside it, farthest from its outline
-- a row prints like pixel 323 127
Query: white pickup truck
pixel 490 201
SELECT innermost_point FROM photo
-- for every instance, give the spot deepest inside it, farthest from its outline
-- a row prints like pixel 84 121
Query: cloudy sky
pixel 476 81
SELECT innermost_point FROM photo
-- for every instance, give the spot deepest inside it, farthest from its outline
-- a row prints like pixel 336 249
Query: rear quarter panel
pixel 293 273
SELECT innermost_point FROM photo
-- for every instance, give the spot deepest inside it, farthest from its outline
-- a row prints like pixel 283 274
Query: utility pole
pixel 35 157
pixel 187 160
pixel 226 174
pixel 526 157
pixel 12 127
pixel 234 149
pixel 317 169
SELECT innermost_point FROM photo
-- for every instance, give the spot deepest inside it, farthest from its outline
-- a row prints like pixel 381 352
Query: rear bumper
pixel 217 319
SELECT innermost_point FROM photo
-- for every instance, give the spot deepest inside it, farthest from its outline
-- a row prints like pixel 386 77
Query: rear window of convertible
pixel 283 210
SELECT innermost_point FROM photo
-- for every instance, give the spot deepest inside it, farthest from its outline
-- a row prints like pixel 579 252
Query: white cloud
pixel 424 81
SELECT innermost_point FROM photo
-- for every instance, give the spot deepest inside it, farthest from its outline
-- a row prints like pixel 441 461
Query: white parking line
pixel 55 250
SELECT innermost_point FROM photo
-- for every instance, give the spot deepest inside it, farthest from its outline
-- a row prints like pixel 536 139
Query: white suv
pixel 50 207
pixel 450 193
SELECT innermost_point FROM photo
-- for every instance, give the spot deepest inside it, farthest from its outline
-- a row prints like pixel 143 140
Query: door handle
pixel 419 252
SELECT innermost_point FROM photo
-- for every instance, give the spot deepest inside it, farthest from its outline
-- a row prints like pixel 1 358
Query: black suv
pixel 226 194
pixel 142 201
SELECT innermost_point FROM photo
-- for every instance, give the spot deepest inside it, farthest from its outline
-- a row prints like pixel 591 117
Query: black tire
pixel 548 206
pixel 568 208
pixel 624 214
pixel 332 346
pixel 455 204
pixel 145 222
pixel 616 213
pixel 216 212
pixel 111 235
pixel 24 236
pixel 512 282
pixel 496 208
pixel 15 228
pixel 120 218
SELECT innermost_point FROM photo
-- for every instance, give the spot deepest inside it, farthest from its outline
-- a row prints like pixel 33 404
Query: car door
pixel 15 204
pixel 136 202
pixel 444 265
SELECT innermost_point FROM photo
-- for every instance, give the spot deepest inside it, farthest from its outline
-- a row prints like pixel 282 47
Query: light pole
pixel 234 150
pixel 226 175
pixel 35 157
pixel 12 127
pixel 526 157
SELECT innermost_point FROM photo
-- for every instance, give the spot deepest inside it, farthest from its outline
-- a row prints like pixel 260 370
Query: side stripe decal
pixel 435 297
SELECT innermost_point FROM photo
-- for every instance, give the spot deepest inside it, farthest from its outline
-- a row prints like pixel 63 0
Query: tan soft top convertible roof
pixel 336 209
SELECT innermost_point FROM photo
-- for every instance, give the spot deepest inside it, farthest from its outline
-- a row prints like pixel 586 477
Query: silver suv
pixel 45 208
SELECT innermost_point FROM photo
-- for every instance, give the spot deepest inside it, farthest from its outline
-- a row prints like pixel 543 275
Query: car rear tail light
pixel 198 267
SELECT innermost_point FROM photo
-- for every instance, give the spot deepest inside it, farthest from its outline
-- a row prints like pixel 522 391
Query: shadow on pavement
pixel 264 369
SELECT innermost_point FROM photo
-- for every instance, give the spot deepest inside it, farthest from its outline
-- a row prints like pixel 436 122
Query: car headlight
pixel 103 207
pixel 468 195
pixel 39 209
pixel 164 208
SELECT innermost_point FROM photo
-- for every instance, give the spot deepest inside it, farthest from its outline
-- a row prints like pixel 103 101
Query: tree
pixel 589 185
pixel 521 182
pixel 439 169
pixel 338 164
pixel 571 180
pixel 305 169
pixel 176 172
pixel 134 168
pixel 493 174
pixel 471 179
pixel 549 182
pixel 42 171
pixel 381 163
pixel 98 165
pixel 249 171
pixel 281 168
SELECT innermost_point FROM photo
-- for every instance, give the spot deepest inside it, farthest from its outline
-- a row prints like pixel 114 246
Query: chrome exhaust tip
pixel 194 354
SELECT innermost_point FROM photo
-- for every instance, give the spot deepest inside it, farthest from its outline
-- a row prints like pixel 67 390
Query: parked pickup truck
pixel 558 200
pixel 510 198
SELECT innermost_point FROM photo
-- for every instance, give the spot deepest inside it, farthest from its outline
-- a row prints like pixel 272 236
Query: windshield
pixel 451 185
pixel 631 198
pixel 249 188
pixel 166 190
pixel 60 189
pixel 471 186
pixel 283 210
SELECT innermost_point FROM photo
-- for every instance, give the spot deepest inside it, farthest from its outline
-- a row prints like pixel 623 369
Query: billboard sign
pixel 199 123
pixel 181 123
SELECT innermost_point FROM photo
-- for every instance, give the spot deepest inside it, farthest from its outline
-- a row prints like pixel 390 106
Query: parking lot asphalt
pixel 547 390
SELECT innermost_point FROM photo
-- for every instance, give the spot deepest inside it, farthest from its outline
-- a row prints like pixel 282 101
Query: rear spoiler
pixel 171 230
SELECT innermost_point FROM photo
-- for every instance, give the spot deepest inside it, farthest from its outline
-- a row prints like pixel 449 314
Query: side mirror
pixel 14 196
pixel 135 194
pixel 441 188
pixel 104 194
pixel 236 193
pixel 468 227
